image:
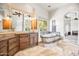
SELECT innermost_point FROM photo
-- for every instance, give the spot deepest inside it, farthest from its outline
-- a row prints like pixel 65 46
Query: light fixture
pixel 17 13
pixel 49 5
pixel 29 15
pixel 76 18
pixel 72 15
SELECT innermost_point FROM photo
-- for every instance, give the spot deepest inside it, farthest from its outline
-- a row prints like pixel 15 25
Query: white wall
pixel 58 15
pixel 74 25
pixel 40 12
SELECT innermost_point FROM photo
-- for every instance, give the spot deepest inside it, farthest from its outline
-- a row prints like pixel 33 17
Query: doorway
pixel 71 27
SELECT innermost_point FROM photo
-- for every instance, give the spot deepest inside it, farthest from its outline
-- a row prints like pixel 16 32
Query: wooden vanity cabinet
pixel 33 39
pixel 3 48
pixel 12 43
pixel 9 44
pixel 28 40
pixel 13 46
pixel 24 41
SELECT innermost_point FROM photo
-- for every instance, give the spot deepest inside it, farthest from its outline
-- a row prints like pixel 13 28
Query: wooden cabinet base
pixel 13 51
pixel 12 43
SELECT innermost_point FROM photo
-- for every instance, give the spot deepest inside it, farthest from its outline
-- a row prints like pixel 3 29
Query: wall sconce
pixel 17 13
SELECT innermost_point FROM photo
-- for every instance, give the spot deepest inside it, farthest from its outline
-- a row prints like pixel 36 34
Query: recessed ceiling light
pixel 49 5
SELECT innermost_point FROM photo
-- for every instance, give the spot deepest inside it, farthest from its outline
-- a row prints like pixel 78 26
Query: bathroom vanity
pixel 12 42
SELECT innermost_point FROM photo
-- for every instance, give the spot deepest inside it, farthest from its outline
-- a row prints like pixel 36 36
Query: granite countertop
pixel 7 35
pixel 13 32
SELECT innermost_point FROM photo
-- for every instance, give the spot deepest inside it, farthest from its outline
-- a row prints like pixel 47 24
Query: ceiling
pixel 52 6
pixel 46 6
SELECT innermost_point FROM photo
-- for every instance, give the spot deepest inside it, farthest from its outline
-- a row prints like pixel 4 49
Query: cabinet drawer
pixel 28 45
pixel 3 43
pixel 11 46
pixel 23 45
pixel 33 40
pixel 24 39
pixel 13 51
pixel 13 40
pixel 3 51
pixel 33 35
pixel 24 35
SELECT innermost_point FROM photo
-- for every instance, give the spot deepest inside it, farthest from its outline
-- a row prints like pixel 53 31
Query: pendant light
pixel 76 18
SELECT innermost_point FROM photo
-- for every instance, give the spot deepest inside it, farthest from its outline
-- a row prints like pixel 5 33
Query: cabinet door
pixel 3 48
pixel 13 46
pixel 33 39
pixel 36 40
pixel 13 42
pixel 13 51
pixel 27 42
pixel 23 45
pixel 2 43
pixel 3 51
pixel 24 41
